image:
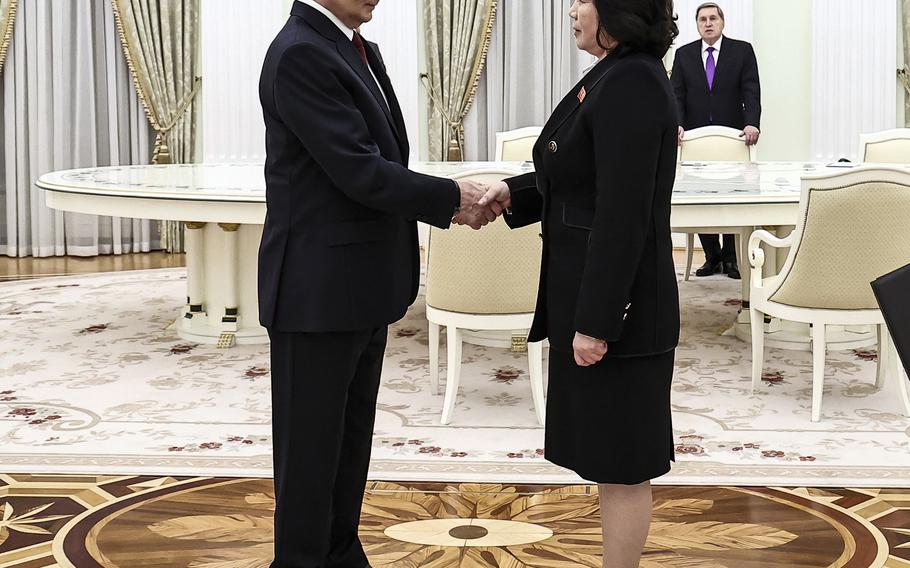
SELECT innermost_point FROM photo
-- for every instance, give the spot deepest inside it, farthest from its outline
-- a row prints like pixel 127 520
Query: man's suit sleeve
pixel 527 203
pixel 751 89
pixel 677 79
pixel 320 111
pixel 627 137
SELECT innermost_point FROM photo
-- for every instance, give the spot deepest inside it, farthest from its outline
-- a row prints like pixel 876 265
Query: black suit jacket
pixel 339 246
pixel 604 173
pixel 734 100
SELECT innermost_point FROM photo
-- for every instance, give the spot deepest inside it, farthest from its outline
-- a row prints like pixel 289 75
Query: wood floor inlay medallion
pixel 167 522
pixel 468 532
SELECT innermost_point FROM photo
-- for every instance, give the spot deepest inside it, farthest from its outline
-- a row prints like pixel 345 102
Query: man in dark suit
pixel 338 263
pixel 716 82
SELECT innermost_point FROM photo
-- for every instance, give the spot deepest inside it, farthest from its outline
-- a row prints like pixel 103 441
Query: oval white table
pixel 223 206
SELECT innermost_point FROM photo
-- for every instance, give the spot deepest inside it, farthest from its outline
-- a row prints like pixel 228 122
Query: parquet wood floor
pixel 166 522
pixel 24 268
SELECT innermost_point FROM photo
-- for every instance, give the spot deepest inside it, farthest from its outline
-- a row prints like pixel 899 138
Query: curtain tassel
pixel 162 153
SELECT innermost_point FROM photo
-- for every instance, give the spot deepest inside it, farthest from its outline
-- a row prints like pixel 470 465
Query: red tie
pixel 358 43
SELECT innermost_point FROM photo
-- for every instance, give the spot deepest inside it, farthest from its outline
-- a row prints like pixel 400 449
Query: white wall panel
pixel 394 28
pixel 235 36
pixel 854 81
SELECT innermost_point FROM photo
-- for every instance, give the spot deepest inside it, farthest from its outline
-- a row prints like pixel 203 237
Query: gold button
pixel 552 147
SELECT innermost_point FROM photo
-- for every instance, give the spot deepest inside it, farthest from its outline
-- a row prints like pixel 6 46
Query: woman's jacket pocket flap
pixel 577 217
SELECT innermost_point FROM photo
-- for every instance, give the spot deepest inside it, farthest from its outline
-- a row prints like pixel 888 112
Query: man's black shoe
pixel 732 270
pixel 709 268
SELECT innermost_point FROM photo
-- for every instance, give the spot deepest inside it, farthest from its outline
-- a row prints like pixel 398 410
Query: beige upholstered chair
pixel 712 144
pixel 516 145
pixel 885 147
pixel 852 227
pixel 482 280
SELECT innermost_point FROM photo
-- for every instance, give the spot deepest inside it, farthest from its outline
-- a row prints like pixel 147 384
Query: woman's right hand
pixel 588 350
pixel 498 192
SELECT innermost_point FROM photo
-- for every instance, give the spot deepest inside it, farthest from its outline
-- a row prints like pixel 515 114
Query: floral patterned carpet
pixel 94 380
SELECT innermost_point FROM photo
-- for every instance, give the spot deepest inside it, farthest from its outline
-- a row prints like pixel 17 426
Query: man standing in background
pixel 716 83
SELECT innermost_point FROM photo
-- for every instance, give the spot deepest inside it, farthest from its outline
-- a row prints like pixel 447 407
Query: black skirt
pixel 610 422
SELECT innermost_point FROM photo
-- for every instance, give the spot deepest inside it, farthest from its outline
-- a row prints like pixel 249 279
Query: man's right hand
pixel 679 138
pixel 470 212
pixel 471 192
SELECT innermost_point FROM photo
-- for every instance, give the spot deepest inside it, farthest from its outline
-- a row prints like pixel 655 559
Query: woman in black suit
pixel 605 164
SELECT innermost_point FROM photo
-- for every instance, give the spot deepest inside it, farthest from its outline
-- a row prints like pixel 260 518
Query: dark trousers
pixel 713 252
pixel 324 388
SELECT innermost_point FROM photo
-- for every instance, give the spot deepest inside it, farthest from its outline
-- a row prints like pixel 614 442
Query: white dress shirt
pixel 348 32
pixel 704 52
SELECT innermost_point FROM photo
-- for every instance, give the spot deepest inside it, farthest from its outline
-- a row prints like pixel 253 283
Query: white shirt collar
pixel 334 19
pixel 716 46
pixel 591 66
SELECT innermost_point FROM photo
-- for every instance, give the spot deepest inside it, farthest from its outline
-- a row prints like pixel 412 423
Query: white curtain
pixel 531 64
pixel 68 102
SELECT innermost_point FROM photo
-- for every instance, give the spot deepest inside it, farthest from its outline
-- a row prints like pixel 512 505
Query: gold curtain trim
pixel 128 54
pixel 476 70
pixel 161 154
pixel 481 59
pixel 6 35
pixel 457 125
pixel 904 76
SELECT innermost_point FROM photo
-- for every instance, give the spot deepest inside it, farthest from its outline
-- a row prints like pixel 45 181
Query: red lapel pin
pixel 581 94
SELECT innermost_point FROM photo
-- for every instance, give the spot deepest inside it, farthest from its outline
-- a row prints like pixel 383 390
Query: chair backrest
pixel 885 147
pixel 715 143
pixel 516 145
pixel 853 227
pixel 491 271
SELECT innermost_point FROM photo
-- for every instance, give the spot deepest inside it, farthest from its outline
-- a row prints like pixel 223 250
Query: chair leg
pixel 690 251
pixel 758 346
pixel 900 375
pixel 434 357
pixel 818 369
pixel 535 368
pixel 453 372
pixel 884 349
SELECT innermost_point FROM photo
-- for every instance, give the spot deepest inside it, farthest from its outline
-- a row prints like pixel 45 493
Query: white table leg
pixel 230 319
pixel 195 274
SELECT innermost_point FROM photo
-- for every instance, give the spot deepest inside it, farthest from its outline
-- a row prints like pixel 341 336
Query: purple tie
pixel 709 68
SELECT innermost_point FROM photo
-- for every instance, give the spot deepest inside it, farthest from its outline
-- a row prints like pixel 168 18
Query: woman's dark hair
pixel 648 26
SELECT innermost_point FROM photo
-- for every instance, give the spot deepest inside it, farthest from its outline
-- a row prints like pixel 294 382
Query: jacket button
pixel 552 147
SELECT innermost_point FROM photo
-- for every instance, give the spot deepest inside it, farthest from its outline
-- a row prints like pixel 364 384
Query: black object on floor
pixel 892 292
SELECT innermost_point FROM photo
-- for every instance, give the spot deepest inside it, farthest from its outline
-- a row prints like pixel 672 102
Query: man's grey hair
pixel 709 5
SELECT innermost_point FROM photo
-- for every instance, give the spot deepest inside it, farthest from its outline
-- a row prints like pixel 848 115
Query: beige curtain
pixel 457 38
pixel 160 40
pixel 7 18
pixel 905 72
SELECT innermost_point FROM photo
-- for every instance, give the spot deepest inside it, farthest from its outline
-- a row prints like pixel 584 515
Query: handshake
pixel 481 203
